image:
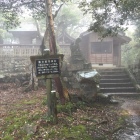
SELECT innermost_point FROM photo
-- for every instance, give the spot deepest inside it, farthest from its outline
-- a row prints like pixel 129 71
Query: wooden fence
pixel 11 50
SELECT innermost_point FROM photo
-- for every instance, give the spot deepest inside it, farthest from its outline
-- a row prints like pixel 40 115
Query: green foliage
pixel 12 10
pixel 12 19
pixel 14 122
pixel 111 14
pixel 80 104
pixel 77 132
pixel 76 121
pixel 131 51
pixel 67 20
pixel 67 108
pixel 108 14
pixel 121 121
pixel 8 137
pixel 137 33
pixel 70 107
pixel 3 32
pixel 44 102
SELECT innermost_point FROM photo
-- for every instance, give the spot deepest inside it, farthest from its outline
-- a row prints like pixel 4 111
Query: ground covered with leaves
pixel 23 117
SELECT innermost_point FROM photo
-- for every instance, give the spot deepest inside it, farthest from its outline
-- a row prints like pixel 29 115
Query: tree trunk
pixel 53 48
pixel 51 26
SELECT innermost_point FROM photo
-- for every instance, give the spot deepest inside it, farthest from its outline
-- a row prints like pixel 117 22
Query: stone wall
pixel 14 64
pixel 14 78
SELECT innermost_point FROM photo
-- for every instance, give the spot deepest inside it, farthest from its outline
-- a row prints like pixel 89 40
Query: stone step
pixel 115 80
pixel 112 73
pixel 124 94
pixel 124 76
pixel 111 70
pixel 105 85
pixel 118 89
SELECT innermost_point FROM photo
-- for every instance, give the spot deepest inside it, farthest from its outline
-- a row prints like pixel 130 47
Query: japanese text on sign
pixel 47 66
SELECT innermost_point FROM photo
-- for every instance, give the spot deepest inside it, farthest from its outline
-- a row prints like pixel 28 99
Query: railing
pixel 14 50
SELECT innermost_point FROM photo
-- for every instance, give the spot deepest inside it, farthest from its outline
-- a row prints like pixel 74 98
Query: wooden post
pixel 49 89
pixel 51 101
pixel 54 107
pixel 33 83
pixel 49 73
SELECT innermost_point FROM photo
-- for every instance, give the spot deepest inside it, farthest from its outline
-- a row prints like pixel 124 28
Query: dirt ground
pixel 100 121
pixel 10 95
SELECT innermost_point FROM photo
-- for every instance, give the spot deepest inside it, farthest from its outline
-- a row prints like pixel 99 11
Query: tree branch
pixel 56 13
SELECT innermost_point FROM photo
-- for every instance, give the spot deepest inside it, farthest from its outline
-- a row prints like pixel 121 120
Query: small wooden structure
pixel 15 57
pixel 25 43
pixel 24 47
pixel 26 37
pixel 102 52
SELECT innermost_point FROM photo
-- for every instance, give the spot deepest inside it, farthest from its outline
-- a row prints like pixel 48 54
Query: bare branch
pixel 56 13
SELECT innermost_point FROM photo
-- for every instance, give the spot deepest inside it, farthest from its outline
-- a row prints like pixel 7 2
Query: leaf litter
pixel 23 116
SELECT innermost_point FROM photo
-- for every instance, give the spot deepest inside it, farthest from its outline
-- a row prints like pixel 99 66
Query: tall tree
pixel 4 35
pixel 69 20
pixel 109 16
pixel 40 7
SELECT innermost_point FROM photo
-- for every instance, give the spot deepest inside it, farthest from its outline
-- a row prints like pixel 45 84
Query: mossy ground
pixel 24 118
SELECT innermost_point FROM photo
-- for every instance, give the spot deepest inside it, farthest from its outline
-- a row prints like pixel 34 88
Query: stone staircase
pixel 115 80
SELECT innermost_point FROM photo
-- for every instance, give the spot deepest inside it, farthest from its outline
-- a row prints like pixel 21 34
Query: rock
pixel 103 98
pixel 2 77
pixel 7 79
pixel 80 74
pixel 12 79
pixel 88 76
pixel 30 129
pixel 75 85
pixel 114 101
pixel 25 83
pixel 65 79
pixel 17 82
pixel 27 88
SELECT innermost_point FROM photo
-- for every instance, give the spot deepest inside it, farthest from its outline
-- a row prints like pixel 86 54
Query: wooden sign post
pixel 48 67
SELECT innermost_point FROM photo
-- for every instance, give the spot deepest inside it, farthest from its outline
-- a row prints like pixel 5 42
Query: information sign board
pixel 47 66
